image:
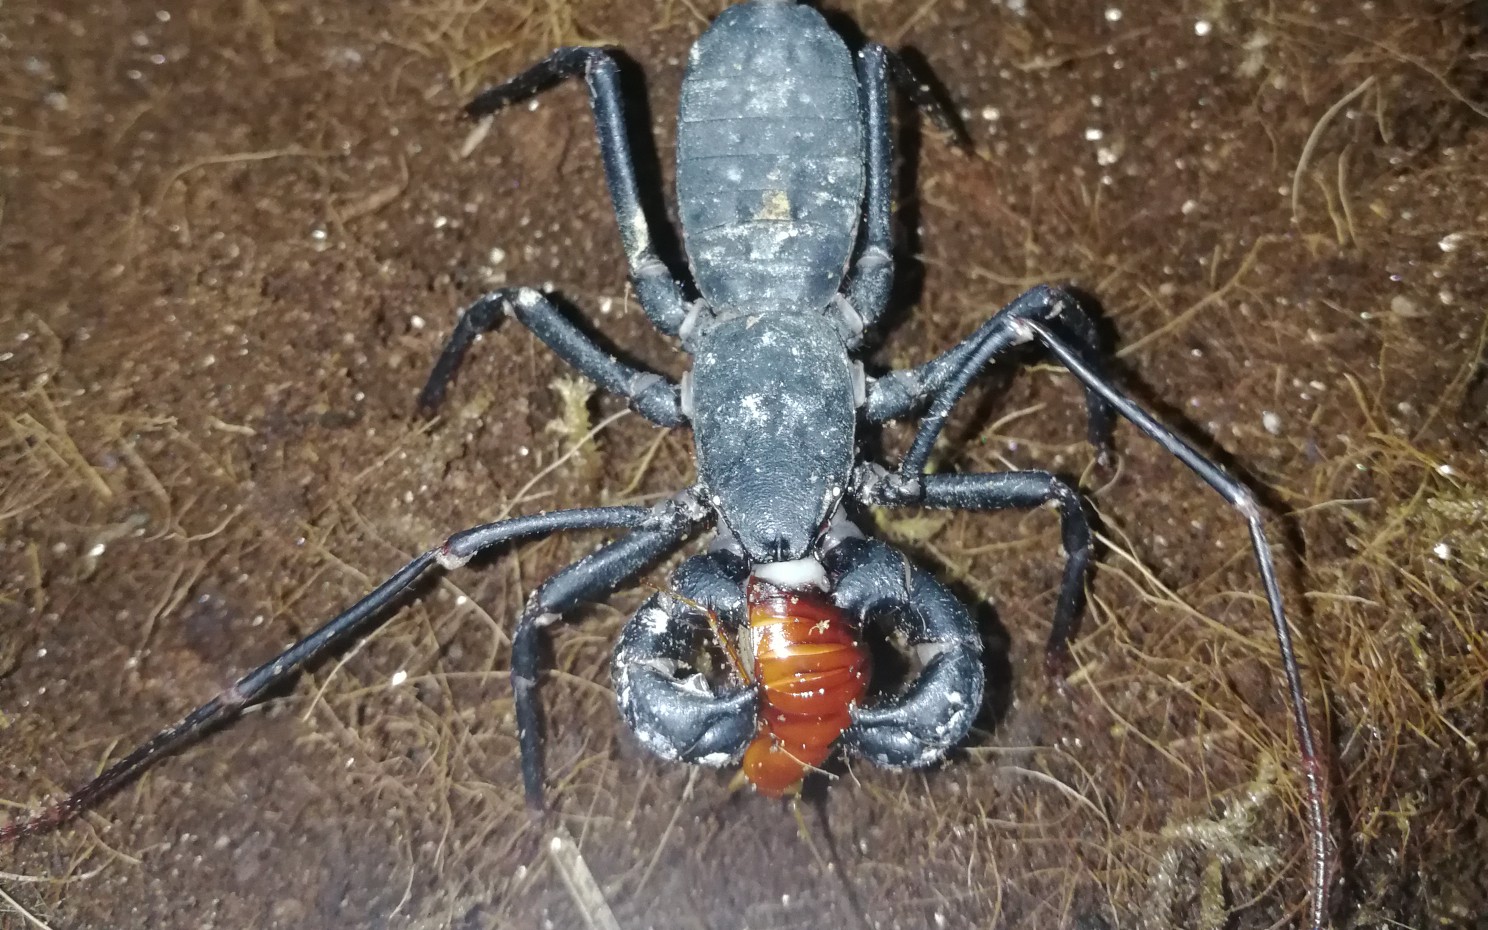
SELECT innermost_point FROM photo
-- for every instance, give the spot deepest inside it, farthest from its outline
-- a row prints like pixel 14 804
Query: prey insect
pixel 810 666
pixel 784 190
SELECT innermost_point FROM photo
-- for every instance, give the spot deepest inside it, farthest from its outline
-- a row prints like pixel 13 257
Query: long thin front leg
pixel 1241 498
pixel 1014 489
pixel 651 395
pixel 868 290
pixel 657 289
pixel 358 618
pixel 592 576
pixel 940 382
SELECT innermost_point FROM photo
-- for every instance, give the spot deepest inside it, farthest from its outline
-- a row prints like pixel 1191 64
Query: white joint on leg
pixel 839 531
pixel 859 384
pixel 684 504
pixel 724 541
pixel 1022 330
pixel 527 298
pixel 684 393
pixel 1245 502
pixel 873 257
pixel 850 321
pixel 690 322
pixel 646 265
pixel 793 574
pixel 643 382
pixel 449 561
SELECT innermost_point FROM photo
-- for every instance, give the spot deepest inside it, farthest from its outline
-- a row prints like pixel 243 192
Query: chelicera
pixel 784 187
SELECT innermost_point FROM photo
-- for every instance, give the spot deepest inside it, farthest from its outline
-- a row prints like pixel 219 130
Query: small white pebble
pixel 1094 134
pixel 1203 27
pixel 1446 471
pixel 496 256
pixel 1189 206
pixel 1106 156
pixel 416 321
pixel 1271 422
pixel 991 114
pixel 1442 551
pixel 1404 307
pixel 1113 15
pixel 399 677
pixel 785 900
pixel 41 653
pixel 1450 242
pixel 96 550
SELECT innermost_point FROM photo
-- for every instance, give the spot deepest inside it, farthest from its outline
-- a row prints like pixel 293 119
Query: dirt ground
pixel 234 235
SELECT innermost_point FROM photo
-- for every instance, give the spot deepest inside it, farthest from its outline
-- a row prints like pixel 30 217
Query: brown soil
pixel 233 236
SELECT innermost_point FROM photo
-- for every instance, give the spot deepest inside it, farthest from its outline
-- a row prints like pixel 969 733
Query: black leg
pixel 670 706
pixel 453 553
pixel 941 381
pixel 868 290
pixel 650 394
pixel 874 582
pixel 872 279
pixel 592 576
pixel 657 289
pixel 1241 498
pixel 1015 489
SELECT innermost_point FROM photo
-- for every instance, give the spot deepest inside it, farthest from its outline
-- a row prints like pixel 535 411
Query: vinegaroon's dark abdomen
pixel 770 159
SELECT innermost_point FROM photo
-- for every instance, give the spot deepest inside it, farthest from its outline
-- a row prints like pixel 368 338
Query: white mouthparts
pixel 793 575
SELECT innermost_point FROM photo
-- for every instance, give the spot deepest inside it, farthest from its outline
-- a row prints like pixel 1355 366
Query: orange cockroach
pixel 805 656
